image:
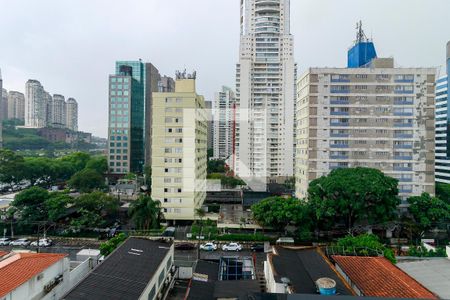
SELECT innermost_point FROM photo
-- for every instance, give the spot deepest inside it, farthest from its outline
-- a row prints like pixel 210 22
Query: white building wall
pixel 265 85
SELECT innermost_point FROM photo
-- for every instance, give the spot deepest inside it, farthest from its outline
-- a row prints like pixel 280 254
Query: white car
pixel 42 243
pixel 20 242
pixel 208 247
pixel 5 241
pixel 232 247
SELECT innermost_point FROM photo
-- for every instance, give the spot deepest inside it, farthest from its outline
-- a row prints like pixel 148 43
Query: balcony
pixel 340 135
pixel 403 125
pixel 405 179
pixel 403 157
pixel 403 146
pixel 340 91
pixel 403 92
pixel 403 136
pixel 339 146
pixel 403 169
pixel 403 114
pixel 339 113
pixel 403 102
pixel 338 156
pixel 339 102
pixel 342 124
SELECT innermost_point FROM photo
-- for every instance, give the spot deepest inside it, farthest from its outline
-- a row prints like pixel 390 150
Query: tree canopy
pixel 428 211
pixel 363 244
pixel 87 180
pixel 354 195
pixel 278 212
pixel 443 191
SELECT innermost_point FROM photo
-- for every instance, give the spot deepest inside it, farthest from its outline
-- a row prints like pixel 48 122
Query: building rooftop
pixel 434 274
pixel 3 253
pixel 214 288
pixel 378 277
pixel 18 268
pixel 269 296
pixel 303 267
pixel 125 273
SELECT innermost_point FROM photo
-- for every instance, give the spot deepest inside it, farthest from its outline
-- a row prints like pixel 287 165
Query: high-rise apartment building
pixel 16 105
pixel 223 125
pixel 4 104
pixel 59 116
pixel 72 114
pixel 1 125
pixel 179 154
pixel 375 116
pixel 35 104
pixel 209 114
pixel 49 100
pixel 443 125
pixel 265 91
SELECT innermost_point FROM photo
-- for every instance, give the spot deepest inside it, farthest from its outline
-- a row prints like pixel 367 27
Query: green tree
pixel 11 167
pixel 278 212
pixel 354 195
pixel 98 163
pixel 37 169
pixel 216 166
pixel 78 160
pixel 148 177
pixel 364 244
pixel 93 208
pixel 87 180
pixel 31 204
pixel 107 247
pixel 145 213
pixel 428 211
pixel 56 205
pixel 227 181
pixel 443 191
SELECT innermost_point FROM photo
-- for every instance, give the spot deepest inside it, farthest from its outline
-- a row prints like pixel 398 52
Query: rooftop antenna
pixel 360 35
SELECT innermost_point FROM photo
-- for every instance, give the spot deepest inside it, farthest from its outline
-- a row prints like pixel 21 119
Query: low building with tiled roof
pixel 2 253
pixel 378 277
pixel 32 275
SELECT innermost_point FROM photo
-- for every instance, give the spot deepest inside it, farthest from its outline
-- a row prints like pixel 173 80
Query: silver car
pixel 21 242
pixel 5 241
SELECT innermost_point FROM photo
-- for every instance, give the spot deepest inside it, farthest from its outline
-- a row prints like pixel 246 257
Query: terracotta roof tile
pixel 378 277
pixel 3 253
pixel 20 267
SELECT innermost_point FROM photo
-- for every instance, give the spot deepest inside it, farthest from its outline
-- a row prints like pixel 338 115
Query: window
pixel 152 293
pixel 161 277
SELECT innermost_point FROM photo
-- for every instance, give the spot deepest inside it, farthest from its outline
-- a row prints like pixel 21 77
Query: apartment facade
pixel 35 104
pixel 376 116
pixel 224 120
pixel 443 125
pixel 4 105
pixel 179 150
pixel 72 114
pixel 265 90
pixel 16 105
pixel 58 111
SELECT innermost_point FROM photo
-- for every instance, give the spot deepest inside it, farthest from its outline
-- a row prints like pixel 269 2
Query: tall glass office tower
pixel 126 117
pixel 265 91
pixel 443 125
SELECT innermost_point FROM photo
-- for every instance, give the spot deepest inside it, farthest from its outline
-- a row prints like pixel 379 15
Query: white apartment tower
pixel 59 111
pixel 265 89
pixel 72 114
pixel 16 105
pixel 35 104
pixel 224 108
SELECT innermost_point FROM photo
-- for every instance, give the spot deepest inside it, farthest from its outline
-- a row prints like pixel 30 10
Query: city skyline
pixel 92 47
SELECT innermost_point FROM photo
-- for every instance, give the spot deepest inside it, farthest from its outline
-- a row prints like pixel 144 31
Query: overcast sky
pixel 70 46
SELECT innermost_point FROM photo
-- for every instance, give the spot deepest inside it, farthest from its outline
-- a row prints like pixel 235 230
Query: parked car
pixel 20 242
pixel 232 247
pixel 185 246
pixel 208 247
pixel 169 232
pixel 42 243
pixel 285 240
pixel 257 247
pixel 5 241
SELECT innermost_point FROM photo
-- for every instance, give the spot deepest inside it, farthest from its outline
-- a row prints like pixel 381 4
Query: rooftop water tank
pixel 326 286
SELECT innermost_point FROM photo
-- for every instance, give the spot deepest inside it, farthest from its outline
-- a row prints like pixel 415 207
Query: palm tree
pixel 201 213
pixel 145 213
